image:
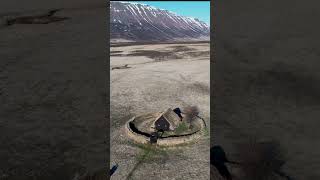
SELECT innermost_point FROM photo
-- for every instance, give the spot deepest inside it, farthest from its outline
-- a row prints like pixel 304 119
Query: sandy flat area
pixel 152 85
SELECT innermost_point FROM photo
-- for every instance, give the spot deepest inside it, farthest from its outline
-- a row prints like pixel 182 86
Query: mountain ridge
pixel 138 22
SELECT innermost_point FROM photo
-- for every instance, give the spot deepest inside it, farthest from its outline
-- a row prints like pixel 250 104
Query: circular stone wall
pixel 139 129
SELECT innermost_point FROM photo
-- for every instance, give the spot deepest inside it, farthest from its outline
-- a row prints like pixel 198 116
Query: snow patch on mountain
pixel 139 22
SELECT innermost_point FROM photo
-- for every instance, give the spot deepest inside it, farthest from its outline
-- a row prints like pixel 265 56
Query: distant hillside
pixel 138 22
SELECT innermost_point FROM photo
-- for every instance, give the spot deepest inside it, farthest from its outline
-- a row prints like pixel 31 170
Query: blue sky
pixel 196 9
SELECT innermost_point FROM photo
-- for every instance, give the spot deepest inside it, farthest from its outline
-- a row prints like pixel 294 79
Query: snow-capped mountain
pixel 138 22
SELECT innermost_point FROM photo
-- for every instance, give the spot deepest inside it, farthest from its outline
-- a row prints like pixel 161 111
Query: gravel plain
pixel 160 76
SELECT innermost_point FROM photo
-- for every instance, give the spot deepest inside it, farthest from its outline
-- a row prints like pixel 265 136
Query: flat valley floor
pixel 157 77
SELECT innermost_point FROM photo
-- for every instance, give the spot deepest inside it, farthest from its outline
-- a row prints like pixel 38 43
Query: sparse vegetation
pixel 115 52
pixel 148 154
pixel 182 128
pixel 118 55
pixel 156 55
pixel 206 132
pixel 197 54
pixel 182 48
pixel 121 67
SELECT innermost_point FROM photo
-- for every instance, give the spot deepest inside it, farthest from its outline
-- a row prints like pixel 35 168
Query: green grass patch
pixel 154 154
pixel 206 132
pixel 150 152
pixel 182 128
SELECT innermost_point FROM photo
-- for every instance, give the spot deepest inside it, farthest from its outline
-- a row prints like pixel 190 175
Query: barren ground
pixel 160 76
pixel 266 79
pixel 53 95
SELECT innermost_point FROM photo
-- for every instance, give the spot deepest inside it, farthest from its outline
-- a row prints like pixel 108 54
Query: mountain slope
pixel 137 22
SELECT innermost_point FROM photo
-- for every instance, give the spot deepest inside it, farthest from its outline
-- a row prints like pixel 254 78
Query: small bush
pixel 191 113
